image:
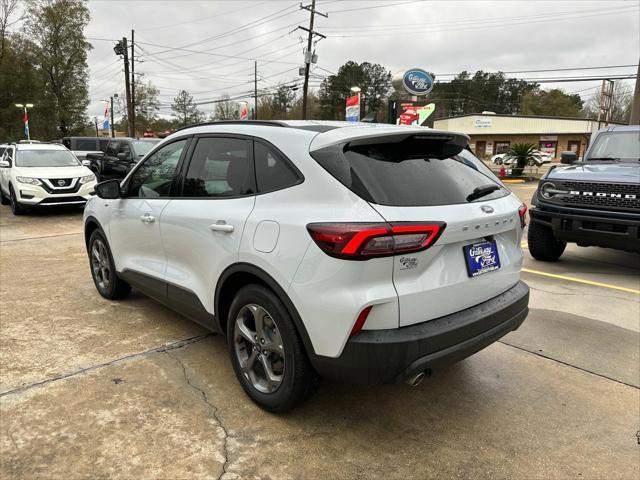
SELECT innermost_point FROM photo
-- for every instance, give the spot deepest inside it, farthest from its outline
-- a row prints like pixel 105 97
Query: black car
pixel 120 156
pixel 595 202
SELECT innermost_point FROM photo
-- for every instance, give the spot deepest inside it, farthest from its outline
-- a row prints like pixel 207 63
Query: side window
pixel 103 145
pixel 126 149
pixel 113 148
pixel 155 176
pixel 273 171
pixel 220 167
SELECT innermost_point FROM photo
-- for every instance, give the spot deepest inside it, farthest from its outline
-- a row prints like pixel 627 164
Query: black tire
pixel 299 380
pixel 543 245
pixel 498 161
pixel 16 207
pixel 3 199
pixel 109 285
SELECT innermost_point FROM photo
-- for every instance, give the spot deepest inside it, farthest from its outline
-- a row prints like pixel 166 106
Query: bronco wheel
pixel 266 352
pixel 103 269
pixel 543 245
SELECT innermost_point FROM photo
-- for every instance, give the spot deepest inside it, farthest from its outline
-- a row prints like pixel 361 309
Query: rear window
pixel 414 172
pixel 86 144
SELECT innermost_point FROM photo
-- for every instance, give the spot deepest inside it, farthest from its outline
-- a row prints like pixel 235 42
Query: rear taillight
pixel 361 241
pixel 522 211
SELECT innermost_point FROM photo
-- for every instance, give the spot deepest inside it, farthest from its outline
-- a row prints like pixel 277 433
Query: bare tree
pixel 226 109
pixel 620 103
pixel 8 8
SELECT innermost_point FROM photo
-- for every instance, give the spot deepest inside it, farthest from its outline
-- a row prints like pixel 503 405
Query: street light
pixel 25 106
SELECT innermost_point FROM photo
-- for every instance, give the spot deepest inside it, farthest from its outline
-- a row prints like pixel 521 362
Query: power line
pixel 200 19
pixel 476 27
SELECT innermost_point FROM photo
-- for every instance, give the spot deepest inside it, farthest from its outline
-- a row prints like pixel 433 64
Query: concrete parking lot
pixel 91 388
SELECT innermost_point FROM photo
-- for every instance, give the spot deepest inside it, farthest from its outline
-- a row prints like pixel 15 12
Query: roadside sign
pixel 353 109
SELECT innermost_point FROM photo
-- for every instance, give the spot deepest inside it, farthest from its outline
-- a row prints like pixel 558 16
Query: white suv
pixel 43 174
pixel 364 252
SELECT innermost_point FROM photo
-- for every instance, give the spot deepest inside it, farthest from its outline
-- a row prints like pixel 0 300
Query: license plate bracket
pixel 481 258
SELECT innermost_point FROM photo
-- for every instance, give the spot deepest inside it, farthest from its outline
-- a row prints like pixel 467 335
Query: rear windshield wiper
pixel 480 192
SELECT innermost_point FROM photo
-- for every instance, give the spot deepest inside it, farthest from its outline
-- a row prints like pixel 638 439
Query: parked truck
pixel 120 155
pixel 595 202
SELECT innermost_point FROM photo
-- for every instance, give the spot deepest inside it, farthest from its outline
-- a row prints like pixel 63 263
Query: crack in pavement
pixel 161 348
pixel 39 237
pixel 212 407
pixel 583 294
pixel 538 354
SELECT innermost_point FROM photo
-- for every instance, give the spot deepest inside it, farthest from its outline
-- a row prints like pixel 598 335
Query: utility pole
pixel 95 120
pixel 255 89
pixel 113 132
pixel 133 85
pixel 122 49
pixel 606 102
pixel 308 55
pixel 635 105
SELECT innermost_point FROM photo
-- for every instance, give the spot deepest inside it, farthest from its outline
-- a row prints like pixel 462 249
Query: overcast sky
pixel 209 47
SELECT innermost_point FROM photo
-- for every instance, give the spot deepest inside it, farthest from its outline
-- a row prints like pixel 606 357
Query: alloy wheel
pixel 259 348
pixel 100 264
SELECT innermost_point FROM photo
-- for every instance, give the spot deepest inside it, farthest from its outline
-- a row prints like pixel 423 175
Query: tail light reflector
pixel 361 241
pixel 360 320
pixel 522 211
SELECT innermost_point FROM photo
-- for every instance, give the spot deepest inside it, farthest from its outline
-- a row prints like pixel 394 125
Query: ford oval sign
pixel 417 82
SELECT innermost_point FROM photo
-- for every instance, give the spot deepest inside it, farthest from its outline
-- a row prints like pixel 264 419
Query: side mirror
pixel 109 189
pixel 4 164
pixel 122 156
pixel 86 163
pixel 568 158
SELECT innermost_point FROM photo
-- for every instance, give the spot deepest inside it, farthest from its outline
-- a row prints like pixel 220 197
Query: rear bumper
pixel 590 230
pixel 392 356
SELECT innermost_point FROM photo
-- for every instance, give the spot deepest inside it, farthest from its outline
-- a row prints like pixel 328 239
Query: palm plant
pixel 524 154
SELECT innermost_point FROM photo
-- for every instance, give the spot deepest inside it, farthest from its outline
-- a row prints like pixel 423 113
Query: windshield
pixel 142 147
pixel 46 158
pixel 411 173
pixel 623 146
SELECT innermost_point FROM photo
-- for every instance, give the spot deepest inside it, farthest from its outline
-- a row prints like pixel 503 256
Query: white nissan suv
pixel 43 174
pixel 362 252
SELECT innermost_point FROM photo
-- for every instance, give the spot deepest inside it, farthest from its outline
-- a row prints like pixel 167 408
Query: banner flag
pixel 353 109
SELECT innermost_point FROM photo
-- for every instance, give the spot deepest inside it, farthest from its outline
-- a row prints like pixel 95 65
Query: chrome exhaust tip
pixel 415 380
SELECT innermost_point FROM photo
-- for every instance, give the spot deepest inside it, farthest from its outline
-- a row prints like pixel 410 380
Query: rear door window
pixel 220 167
pixel 273 170
pixel 413 172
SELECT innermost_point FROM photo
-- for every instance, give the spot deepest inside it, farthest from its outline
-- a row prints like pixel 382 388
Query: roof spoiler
pixel 390 134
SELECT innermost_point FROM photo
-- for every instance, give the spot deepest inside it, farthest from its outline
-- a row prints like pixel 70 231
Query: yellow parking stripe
pixel 579 280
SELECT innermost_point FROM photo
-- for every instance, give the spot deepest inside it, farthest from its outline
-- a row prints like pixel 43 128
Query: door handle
pixel 221 226
pixel 146 218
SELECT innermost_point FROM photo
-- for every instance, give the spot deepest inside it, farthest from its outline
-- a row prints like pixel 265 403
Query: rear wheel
pixel 543 245
pixel 103 269
pixel 266 352
pixel 16 207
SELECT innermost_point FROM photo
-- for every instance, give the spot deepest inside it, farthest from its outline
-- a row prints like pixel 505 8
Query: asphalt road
pixel 91 388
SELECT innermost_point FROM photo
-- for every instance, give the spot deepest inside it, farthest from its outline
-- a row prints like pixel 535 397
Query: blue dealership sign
pixel 417 82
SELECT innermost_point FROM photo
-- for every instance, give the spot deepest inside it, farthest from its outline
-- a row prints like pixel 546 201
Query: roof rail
pixel 268 123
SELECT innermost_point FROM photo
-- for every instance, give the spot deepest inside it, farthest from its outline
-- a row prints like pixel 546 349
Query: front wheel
pixel 543 245
pixel 16 207
pixel 266 352
pixel 103 269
